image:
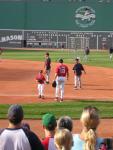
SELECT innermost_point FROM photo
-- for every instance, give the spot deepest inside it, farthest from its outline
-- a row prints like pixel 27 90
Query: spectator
pixel 65 122
pixel 49 126
pixel 103 146
pixel 16 138
pixel 63 139
pixel 88 139
pixel 47 67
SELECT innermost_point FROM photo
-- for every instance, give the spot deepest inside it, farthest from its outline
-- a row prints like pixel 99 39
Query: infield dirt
pixel 18 85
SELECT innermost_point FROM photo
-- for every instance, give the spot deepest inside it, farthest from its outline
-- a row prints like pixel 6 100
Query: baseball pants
pixel 77 81
pixel 60 81
pixel 48 75
pixel 41 89
pixel 111 55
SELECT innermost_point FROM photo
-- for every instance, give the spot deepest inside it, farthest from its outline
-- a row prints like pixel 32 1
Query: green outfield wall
pixel 88 15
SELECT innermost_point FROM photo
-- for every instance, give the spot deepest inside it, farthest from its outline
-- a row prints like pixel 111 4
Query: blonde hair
pixel 90 120
pixel 63 139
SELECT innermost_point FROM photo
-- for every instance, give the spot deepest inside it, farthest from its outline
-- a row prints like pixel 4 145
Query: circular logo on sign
pixel 85 16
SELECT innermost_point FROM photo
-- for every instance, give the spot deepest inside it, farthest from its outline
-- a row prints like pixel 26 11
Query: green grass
pixel 100 58
pixel 71 108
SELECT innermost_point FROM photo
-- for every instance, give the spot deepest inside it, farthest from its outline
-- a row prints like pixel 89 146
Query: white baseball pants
pixel 40 89
pixel 111 55
pixel 77 81
pixel 60 81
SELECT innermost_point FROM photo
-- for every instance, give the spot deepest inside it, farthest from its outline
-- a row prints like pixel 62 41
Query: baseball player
pixel 61 73
pixel 40 80
pixel 1 50
pixel 78 68
pixel 86 53
pixel 111 53
pixel 47 67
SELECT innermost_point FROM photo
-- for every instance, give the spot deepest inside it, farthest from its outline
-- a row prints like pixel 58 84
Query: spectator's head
pixel 49 122
pixel 65 122
pixel 61 60
pixel 90 121
pixel 63 139
pixel 90 117
pixel 15 114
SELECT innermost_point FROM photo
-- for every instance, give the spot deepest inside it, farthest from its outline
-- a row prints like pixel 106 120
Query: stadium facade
pixel 67 24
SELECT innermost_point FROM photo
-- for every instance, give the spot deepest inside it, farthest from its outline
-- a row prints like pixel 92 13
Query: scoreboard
pixel 68 40
pixel 55 39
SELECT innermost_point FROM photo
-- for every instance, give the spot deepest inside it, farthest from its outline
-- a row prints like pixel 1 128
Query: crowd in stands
pixel 58 133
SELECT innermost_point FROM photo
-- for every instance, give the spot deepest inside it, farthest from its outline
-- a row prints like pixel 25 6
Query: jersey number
pixel 62 70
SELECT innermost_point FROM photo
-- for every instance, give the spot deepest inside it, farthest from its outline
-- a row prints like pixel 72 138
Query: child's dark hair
pixel 47 54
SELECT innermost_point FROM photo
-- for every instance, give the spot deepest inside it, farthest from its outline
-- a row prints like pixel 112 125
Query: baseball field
pixel 18 69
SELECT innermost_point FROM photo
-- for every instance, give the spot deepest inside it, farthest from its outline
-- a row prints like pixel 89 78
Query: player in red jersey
pixel 41 80
pixel 61 73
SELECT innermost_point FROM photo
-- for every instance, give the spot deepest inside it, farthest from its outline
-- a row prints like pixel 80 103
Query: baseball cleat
pixel 75 87
pixel 56 99
pixel 42 97
pixel 39 96
pixel 61 100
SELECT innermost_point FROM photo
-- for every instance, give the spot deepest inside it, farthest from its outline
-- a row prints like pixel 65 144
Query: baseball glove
pixel 54 84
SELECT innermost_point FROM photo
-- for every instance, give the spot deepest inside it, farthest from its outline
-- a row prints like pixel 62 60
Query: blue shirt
pixel 78 143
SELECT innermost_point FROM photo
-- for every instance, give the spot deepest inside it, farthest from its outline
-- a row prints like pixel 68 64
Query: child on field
pixel 40 80
pixel 78 69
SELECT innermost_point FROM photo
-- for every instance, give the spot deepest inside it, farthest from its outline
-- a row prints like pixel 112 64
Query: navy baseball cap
pixel 60 60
